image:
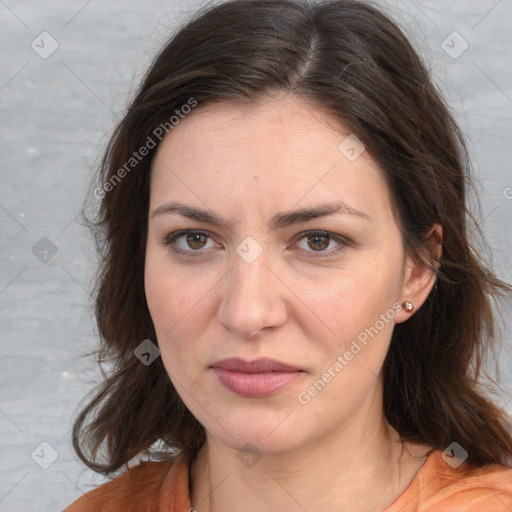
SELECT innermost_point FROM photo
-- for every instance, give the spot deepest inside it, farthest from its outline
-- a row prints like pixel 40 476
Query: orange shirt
pixel 437 487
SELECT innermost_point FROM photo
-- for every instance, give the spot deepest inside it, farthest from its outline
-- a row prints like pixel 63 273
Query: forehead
pixel 282 151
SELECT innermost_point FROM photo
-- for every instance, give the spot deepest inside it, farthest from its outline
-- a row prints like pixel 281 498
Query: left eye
pixel 320 242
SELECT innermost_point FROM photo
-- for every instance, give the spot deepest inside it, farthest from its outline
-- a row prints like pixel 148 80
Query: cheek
pixel 165 302
pixel 168 295
pixel 178 315
pixel 351 357
pixel 352 302
pixel 356 314
pixel 160 301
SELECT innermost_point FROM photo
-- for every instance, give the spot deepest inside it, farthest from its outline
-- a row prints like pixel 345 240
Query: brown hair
pixel 353 62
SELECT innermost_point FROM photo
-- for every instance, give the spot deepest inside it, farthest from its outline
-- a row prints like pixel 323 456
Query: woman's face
pixel 294 257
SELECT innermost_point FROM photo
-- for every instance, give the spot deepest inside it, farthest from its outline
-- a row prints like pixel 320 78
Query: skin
pixel 247 164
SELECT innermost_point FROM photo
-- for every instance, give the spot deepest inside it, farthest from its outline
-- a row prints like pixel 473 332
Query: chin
pixel 255 431
pixel 259 442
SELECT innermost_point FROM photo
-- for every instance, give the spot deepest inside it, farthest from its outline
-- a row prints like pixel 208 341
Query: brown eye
pixel 196 240
pixel 318 242
pixel 189 243
pixel 321 243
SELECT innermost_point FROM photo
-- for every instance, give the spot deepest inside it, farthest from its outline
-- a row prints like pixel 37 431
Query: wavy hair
pixel 351 60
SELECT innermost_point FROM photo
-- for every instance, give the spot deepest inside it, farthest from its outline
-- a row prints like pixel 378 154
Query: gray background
pixel 56 113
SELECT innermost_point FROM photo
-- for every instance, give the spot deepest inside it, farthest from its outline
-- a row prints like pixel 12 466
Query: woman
pixel 288 297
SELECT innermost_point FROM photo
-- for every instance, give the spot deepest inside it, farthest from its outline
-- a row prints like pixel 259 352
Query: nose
pixel 252 298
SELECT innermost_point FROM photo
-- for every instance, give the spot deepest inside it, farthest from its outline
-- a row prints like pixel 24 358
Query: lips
pixel 236 364
pixel 259 378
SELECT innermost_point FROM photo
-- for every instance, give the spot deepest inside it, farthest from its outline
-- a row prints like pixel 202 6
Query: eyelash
pixel 169 239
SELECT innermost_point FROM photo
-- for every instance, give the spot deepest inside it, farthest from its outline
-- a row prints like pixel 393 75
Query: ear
pixel 419 279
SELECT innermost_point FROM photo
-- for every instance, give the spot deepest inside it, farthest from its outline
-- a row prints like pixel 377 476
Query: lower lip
pixel 255 384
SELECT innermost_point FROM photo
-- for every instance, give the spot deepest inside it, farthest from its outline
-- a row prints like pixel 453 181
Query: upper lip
pixel 261 365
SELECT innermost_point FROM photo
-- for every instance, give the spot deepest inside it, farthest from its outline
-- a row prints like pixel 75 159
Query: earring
pixel 408 306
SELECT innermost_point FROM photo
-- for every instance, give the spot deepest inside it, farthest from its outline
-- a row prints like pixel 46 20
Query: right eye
pixel 188 242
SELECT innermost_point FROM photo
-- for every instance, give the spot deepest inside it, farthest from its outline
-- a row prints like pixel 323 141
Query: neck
pixel 363 469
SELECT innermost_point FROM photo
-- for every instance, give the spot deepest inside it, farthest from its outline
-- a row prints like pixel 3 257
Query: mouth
pixel 258 378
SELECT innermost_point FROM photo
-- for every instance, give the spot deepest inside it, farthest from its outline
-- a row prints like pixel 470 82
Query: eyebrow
pixel 281 220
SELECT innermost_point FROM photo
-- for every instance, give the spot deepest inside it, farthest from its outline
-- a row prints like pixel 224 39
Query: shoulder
pixel 468 489
pixel 138 489
pixel 441 487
